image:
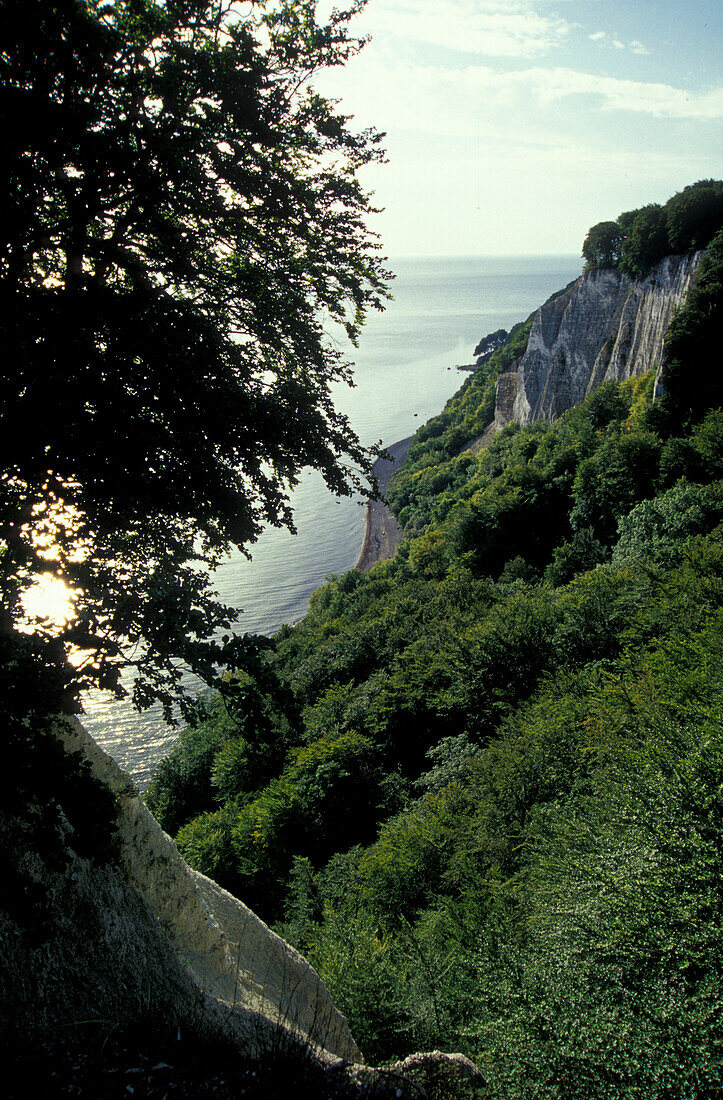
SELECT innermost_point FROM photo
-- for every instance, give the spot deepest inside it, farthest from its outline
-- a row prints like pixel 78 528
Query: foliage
pixel 368 977
pixel 640 239
pixel 182 784
pixel 499 827
pixel 236 743
pixel 692 338
pixel 622 972
pixel 330 788
pixel 180 208
pixel 646 242
pixel 490 343
pixel 694 215
pixel 621 472
pixel 465 417
pixel 602 245
pixel 659 530
pixel 450 639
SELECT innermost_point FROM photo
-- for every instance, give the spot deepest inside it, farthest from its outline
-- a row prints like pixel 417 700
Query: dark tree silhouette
pixel 180 214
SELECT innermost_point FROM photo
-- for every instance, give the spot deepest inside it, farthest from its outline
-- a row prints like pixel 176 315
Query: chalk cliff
pixel 605 326
pixel 141 933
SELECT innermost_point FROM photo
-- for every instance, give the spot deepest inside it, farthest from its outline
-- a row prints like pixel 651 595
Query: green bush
pixel 487 798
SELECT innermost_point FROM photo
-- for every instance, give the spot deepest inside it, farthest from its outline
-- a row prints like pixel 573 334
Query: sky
pixel 514 125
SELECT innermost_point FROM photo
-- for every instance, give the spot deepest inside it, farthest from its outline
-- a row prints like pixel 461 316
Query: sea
pixel 405 369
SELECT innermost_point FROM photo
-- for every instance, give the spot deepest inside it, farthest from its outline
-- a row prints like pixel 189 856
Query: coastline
pixel 382 533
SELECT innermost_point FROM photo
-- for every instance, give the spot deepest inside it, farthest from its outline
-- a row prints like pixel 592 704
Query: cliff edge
pixel 605 326
pixel 139 933
pixel 382 533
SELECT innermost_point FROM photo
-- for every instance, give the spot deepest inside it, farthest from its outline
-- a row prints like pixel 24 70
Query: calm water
pixel 405 371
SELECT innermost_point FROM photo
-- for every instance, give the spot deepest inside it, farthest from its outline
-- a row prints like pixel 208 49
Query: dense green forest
pixel 480 786
pixel 639 239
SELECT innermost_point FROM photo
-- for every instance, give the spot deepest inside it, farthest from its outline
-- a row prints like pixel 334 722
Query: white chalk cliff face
pixel 605 326
pixel 144 932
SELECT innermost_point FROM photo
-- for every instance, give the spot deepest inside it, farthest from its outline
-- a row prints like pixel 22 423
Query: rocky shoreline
pixel 382 533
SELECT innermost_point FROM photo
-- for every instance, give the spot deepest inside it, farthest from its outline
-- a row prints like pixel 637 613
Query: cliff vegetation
pixel 479 785
pixel 639 239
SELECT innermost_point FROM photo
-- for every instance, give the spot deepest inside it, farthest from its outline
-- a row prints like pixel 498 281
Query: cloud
pixel 435 98
pixel 492 28
pixel 510 122
pixel 635 46
pixel 659 100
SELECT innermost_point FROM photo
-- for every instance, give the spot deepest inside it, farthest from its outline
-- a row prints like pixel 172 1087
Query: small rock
pixel 433 1065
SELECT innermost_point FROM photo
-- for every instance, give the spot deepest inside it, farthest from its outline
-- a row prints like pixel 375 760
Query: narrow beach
pixel 382 533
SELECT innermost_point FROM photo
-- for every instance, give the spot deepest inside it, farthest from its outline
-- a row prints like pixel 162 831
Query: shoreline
pixel 382 533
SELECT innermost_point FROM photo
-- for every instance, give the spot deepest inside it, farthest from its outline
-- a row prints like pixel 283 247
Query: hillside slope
pixel 478 786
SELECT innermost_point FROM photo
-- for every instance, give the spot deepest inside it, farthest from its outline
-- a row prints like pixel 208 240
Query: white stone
pixel 605 326
pixel 233 958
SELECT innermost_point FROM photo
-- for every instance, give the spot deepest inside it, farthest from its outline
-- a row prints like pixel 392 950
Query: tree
pixel 646 241
pixel 181 211
pixel 694 215
pixel 621 472
pixel 601 247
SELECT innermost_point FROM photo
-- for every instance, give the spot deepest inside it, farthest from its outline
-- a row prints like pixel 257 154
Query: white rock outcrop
pixel 143 932
pixel 605 326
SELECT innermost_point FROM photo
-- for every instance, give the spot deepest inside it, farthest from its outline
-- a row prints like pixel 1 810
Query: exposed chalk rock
pixel 605 326
pixel 143 932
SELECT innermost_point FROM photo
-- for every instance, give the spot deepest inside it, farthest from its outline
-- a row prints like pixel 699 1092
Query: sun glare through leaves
pixel 49 600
